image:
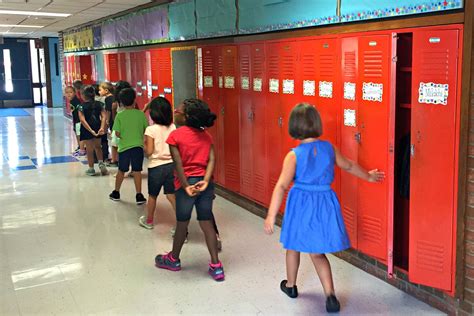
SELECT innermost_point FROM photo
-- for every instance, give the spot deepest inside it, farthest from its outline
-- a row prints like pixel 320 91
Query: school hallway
pixel 67 249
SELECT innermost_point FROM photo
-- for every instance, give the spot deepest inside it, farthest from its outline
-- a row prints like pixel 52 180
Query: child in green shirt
pixel 129 127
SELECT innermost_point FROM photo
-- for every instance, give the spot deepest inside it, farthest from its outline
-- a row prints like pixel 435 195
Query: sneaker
pixel 167 262
pixel 115 195
pixel 103 169
pixel 290 291
pixel 80 153
pixel 144 223
pixel 140 199
pixel 219 243
pixel 112 164
pixel 217 272
pixel 332 304
pixel 90 172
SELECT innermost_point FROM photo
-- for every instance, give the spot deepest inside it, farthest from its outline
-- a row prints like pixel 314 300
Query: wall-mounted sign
pixel 349 117
pixel 245 83
pixel 372 91
pixel 221 82
pixel 433 93
pixel 257 84
pixel 325 89
pixel 274 86
pixel 309 87
pixel 167 90
pixel 208 83
pixel 349 91
pixel 229 82
pixel 288 86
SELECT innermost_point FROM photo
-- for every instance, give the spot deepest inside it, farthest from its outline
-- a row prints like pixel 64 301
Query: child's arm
pixel 84 123
pixel 353 168
pixel 180 170
pixel 103 121
pixel 149 145
pixel 286 176
pixel 202 185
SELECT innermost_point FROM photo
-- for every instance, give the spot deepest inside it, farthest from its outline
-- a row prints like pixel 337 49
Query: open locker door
pixel 376 142
pixel 433 157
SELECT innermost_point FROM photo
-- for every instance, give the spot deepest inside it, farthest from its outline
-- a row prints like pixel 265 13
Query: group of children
pixel 181 160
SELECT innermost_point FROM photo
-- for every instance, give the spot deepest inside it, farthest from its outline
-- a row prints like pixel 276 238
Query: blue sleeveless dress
pixel 313 221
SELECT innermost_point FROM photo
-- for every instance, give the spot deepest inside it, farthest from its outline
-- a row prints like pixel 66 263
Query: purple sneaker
pixel 168 262
pixel 216 271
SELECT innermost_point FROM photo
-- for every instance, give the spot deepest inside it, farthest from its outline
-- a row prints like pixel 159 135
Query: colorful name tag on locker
pixel 309 87
pixel 257 84
pixel 274 85
pixel 245 83
pixel 208 83
pixel 229 82
pixel 372 91
pixel 221 82
pixel 325 89
pixel 433 93
pixel 167 90
pixel 349 117
pixel 349 91
pixel 288 86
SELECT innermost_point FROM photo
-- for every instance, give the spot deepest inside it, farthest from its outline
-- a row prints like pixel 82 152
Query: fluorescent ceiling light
pixel 34 13
pixel 20 25
pixel 13 33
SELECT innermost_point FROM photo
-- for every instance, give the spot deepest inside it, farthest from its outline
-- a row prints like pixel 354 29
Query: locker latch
pixel 222 111
pixel 357 137
pixel 412 150
pixel 250 115
pixel 280 121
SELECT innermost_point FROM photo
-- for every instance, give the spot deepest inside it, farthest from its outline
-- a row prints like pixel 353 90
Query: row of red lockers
pixel 352 81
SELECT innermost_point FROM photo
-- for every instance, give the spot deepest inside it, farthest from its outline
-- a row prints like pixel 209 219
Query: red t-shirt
pixel 194 146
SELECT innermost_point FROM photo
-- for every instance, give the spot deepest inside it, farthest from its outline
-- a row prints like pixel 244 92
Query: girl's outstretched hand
pixel 376 175
pixel 269 224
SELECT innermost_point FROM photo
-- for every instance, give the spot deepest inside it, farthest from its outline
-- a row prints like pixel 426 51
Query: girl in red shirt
pixel 193 154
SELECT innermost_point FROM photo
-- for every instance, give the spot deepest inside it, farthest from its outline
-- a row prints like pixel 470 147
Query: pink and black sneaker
pixel 168 262
pixel 216 271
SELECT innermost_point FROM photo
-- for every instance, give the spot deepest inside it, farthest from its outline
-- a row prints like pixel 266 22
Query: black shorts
pixel 203 202
pixel 161 176
pixel 133 156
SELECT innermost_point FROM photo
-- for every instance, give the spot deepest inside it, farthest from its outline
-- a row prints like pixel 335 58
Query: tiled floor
pixel 66 249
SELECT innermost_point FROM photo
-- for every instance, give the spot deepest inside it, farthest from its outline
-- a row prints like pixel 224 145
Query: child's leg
pixel 137 178
pixel 179 237
pixel 136 157
pixel 118 180
pixel 323 268
pixel 98 149
pixel 105 147
pixel 211 239
pixel 90 152
pixel 292 266
pixel 114 154
pixel 215 225
pixel 172 199
pixel 151 206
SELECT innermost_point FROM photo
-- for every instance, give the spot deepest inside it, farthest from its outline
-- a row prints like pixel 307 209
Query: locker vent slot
pixel 373 67
pixel 229 64
pixel 288 66
pixel 273 182
pixel 245 66
pixel 429 256
pixel 258 66
pixel 208 65
pixel 231 173
pixel 247 179
pixel 154 63
pixel 220 64
pixel 165 64
pixel 259 184
pixel 273 67
pixel 350 64
pixel 326 65
pixel 371 229
pixel 349 219
pixel 309 66
pixel 435 65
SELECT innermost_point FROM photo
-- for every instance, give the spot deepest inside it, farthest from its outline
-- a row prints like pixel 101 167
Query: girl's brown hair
pixel 305 122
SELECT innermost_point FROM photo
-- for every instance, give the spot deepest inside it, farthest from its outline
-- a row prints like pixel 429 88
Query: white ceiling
pixel 81 11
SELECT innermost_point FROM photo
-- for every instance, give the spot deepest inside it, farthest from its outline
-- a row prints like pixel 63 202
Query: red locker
pixel 122 67
pixel 134 70
pixel 85 66
pixel 349 133
pixel 231 118
pixel 165 84
pixel 111 67
pixel 376 141
pixel 433 157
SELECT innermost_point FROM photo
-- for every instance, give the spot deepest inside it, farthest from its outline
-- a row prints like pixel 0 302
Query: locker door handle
pixel 280 121
pixel 357 137
pixel 251 115
pixel 412 150
pixel 222 110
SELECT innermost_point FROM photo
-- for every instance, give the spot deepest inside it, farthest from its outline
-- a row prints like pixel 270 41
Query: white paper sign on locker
pixel 221 82
pixel 257 84
pixel 288 86
pixel 274 86
pixel 372 91
pixel 208 82
pixel 309 87
pixel 229 82
pixel 149 88
pixel 325 89
pixel 349 117
pixel 433 93
pixel 245 83
pixel 349 91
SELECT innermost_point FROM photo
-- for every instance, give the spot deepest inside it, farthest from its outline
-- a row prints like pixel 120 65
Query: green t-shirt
pixel 131 124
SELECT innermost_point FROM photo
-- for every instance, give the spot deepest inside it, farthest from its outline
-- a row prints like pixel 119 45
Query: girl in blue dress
pixel 312 221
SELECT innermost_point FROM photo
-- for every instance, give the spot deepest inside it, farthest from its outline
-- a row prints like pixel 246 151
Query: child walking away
pixel 105 91
pixel 92 117
pixel 193 154
pixel 312 221
pixel 129 127
pixel 78 85
pixel 160 164
pixel 70 93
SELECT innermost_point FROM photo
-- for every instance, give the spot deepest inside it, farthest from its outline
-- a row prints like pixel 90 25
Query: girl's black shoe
pixel 332 304
pixel 290 291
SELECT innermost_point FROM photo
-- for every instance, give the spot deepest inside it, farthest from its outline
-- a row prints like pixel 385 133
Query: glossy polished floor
pixel 66 249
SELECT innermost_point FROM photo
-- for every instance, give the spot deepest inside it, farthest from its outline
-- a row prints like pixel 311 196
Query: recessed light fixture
pixel 13 33
pixel 34 13
pixel 20 25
